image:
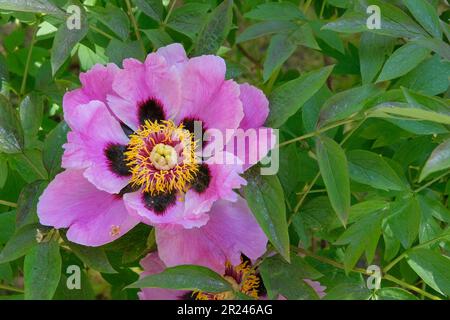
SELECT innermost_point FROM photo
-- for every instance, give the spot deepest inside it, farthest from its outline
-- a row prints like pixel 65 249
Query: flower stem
pixel 8 204
pixel 28 61
pixel 431 182
pixel 9 288
pixel 135 25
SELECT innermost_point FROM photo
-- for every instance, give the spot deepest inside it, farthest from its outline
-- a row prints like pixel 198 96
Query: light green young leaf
pixel 438 160
pixel 281 11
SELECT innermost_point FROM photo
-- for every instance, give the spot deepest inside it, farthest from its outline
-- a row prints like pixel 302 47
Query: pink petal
pixel 256 107
pixel 139 82
pixel 173 53
pixel 207 96
pixel 152 264
pixel 94 129
pixel 230 231
pixel 93 217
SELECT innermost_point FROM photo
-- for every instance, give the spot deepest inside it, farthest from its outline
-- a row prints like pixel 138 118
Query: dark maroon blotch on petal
pixel 189 125
pixel 116 159
pixel 151 110
pixel 160 202
pixel 203 178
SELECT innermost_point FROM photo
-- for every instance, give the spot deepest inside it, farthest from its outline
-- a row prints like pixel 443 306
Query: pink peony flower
pixel 130 158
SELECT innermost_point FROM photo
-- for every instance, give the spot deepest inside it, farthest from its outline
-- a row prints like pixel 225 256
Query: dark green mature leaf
pixel 11 133
pixel 405 220
pixel 53 151
pixel 93 257
pixel 114 18
pixel 19 244
pixel 281 47
pixel 66 39
pixel 85 292
pixel 42 271
pixel 266 28
pixel 27 203
pixel 350 290
pixel 185 277
pixel 189 18
pixel 158 37
pixel 265 198
pixel 287 279
pixel 438 160
pixel 372 53
pixel 29 165
pixel 403 60
pixel 117 51
pixel 7 226
pixel 334 169
pixel 432 267
pixel 3 171
pixel 276 11
pixel 153 8
pixel 427 16
pixel 31 112
pixel 436 45
pixel 38 6
pixel 287 99
pixel 369 168
pixel 346 103
pixel 215 30
pixel 361 236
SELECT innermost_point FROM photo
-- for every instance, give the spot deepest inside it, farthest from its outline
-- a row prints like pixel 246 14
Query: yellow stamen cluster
pixel 249 284
pixel 155 163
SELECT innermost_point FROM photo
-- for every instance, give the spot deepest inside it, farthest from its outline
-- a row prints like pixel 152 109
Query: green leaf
pixel 3 171
pixel 265 198
pixel 281 47
pixel 93 257
pixel 346 103
pixel 432 267
pixel 438 160
pixel 372 53
pixel 405 220
pixel 369 168
pixel 114 18
pixel 42 271
pixel 7 226
pixel 215 30
pixel 426 15
pixel 287 279
pixel 53 151
pixel 284 11
pixel 185 277
pixel 19 244
pixel 31 112
pixel 189 18
pixel 266 28
pixel 436 45
pixel 403 60
pixel 153 8
pixel 334 169
pixel 41 6
pixel 350 290
pixel 11 133
pixel 361 236
pixel 410 113
pixel 117 51
pixel 394 294
pixel 66 39
pixel 27 203
pixel 159 38
pixel 287 99
pixel 29 165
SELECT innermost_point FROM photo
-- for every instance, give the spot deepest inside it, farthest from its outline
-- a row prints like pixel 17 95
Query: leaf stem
pixel 9 288
pixel 28 61
pixel 166 19
pixel 410 287
pixel 103 33
pixel 34 167
pixel 135 25
pixel 426 185
pixel 8 204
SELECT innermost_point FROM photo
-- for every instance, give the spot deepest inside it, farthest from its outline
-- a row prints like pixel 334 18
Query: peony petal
pixel 152 264
pixel 139 82
pixel 93 217
pixel 256 107
pixel 207 97
pixel 230 231
pixel 94 130
pixel 173 53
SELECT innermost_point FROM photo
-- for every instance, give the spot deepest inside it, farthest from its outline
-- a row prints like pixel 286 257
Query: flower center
pixel 161 157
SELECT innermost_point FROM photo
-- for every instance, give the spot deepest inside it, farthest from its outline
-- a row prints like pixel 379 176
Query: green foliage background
pixel 364 119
